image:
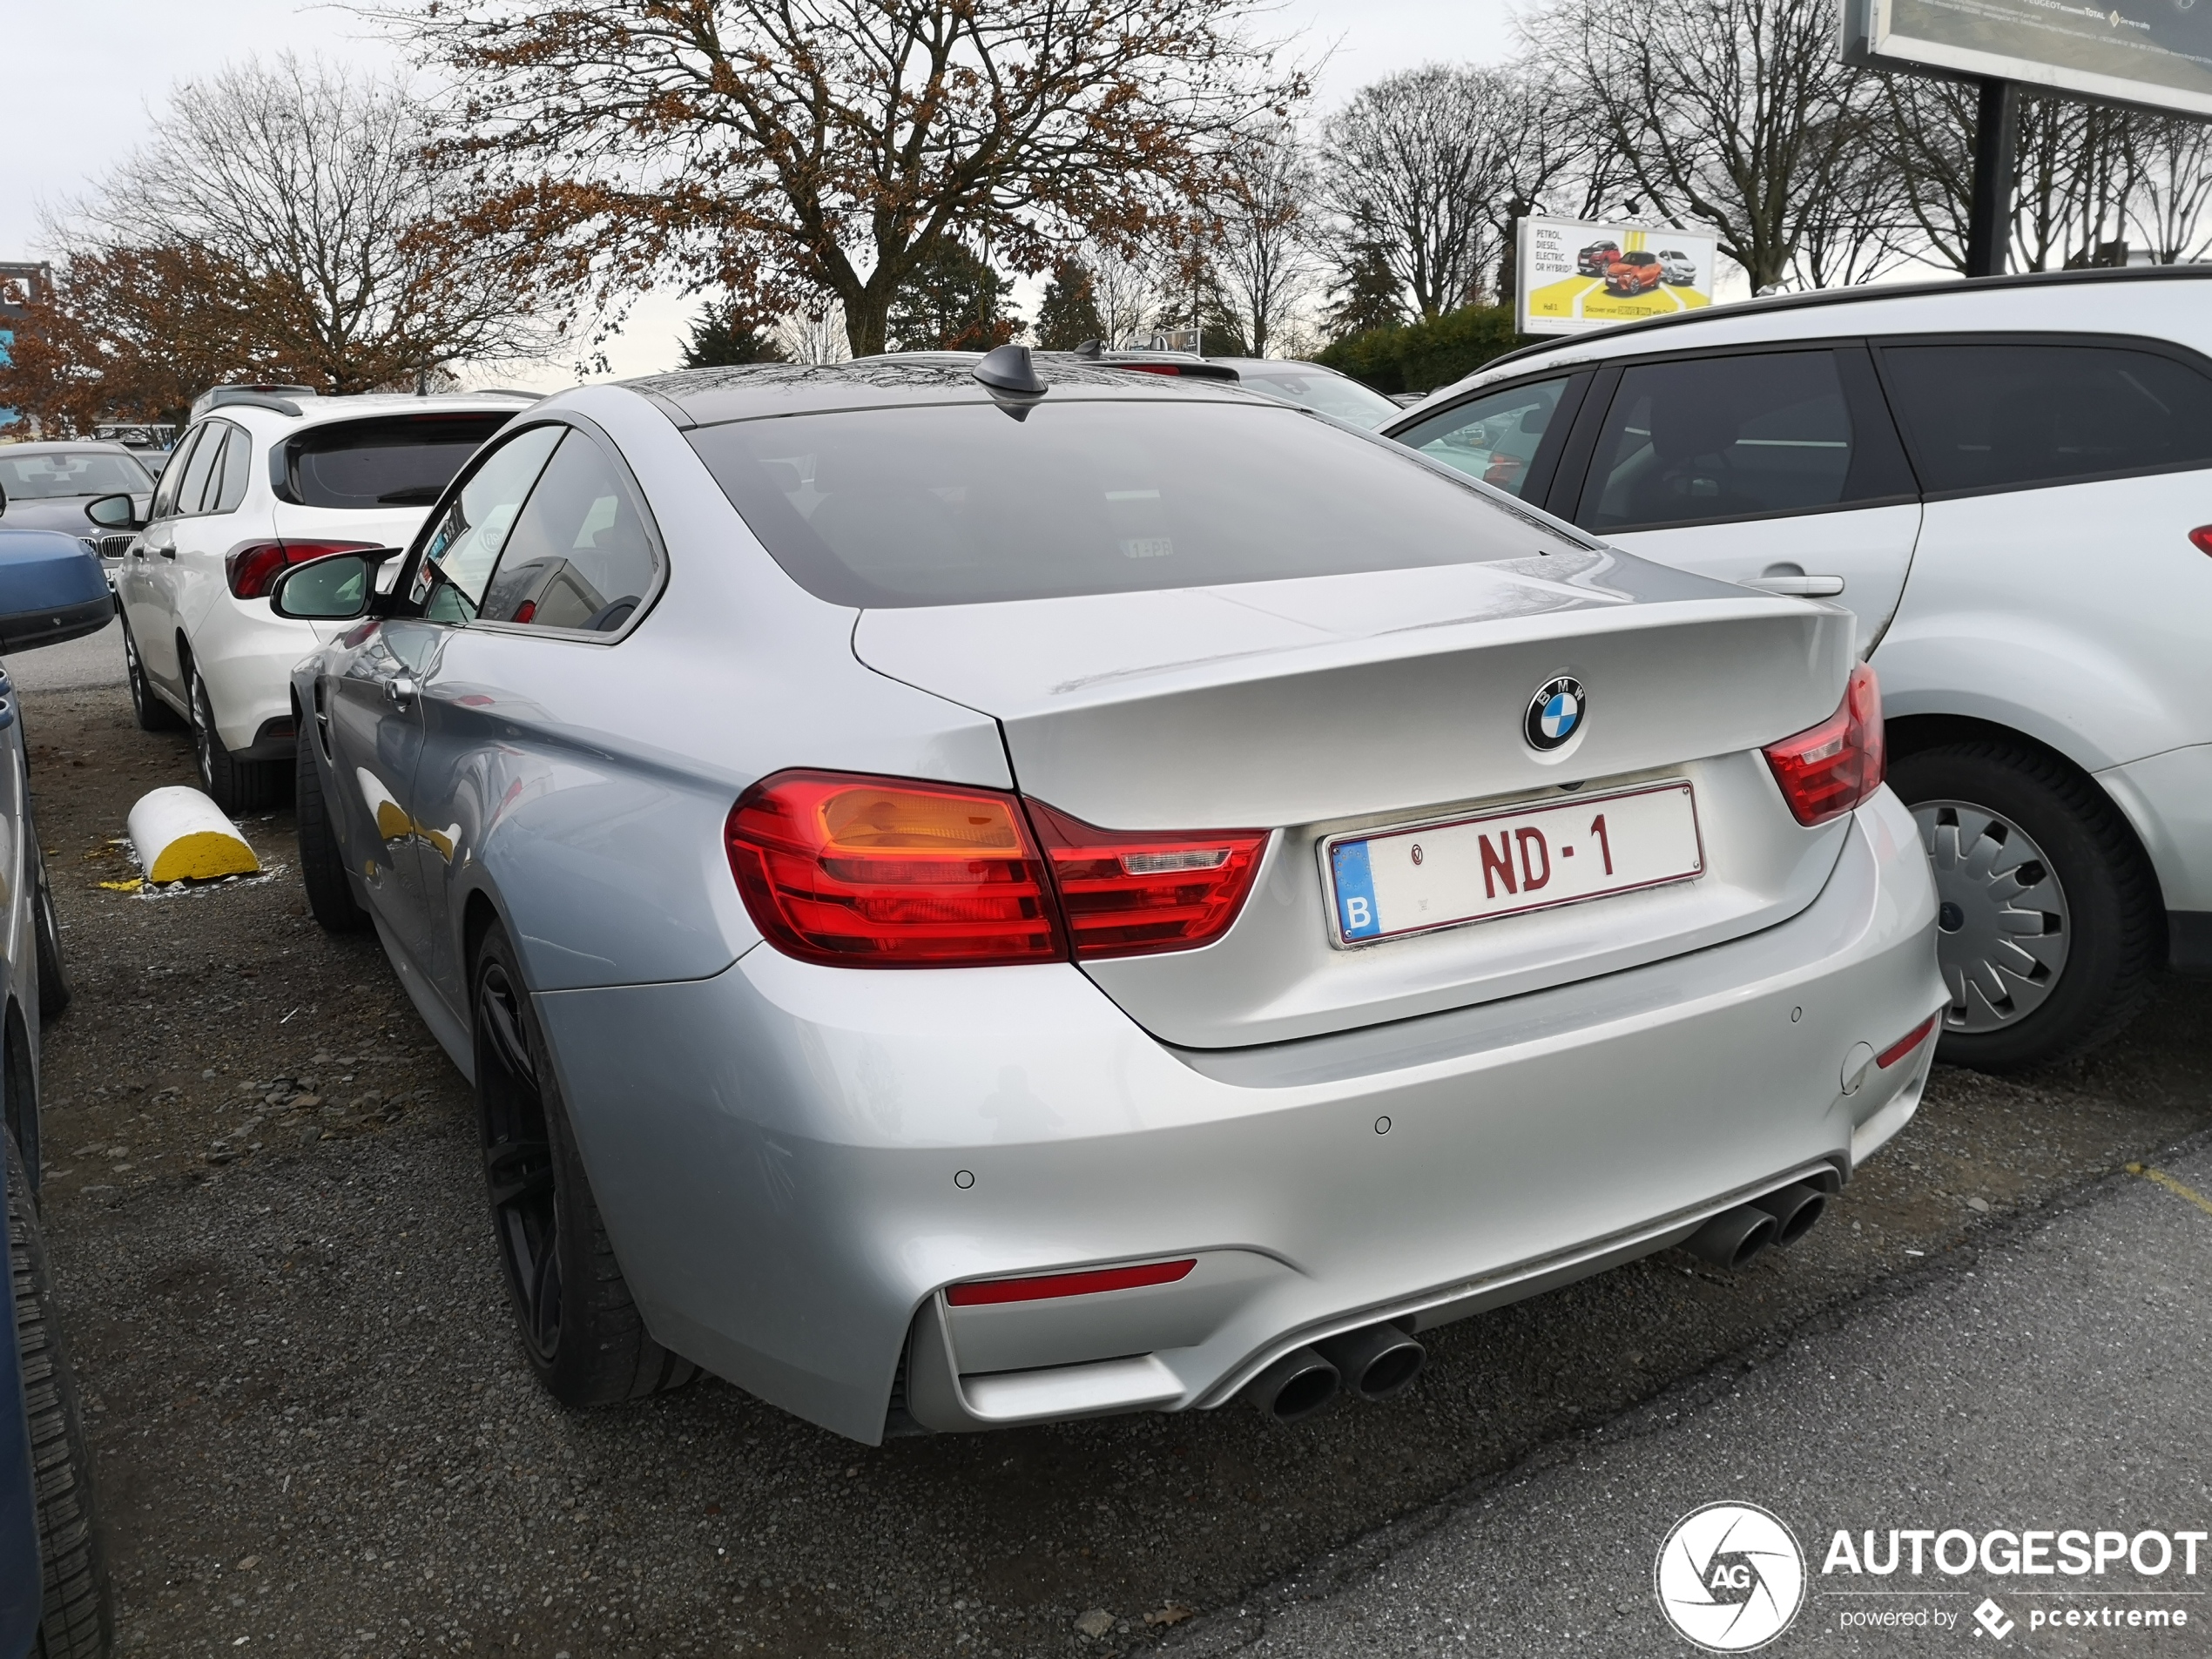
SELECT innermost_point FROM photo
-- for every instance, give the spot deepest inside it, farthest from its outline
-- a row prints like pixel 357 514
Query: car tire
pixel 153 714
pixel 234 785
pixel 54 988
pixel 331 898
pixel 76 1618
pixel 1988 812
pixel 580 1328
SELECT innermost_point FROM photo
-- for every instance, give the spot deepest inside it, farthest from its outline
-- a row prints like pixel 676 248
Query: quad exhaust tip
pixel 1378 1362
pixel 1732 1237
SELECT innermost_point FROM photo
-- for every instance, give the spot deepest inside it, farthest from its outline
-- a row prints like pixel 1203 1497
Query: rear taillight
pixel 1125 892
pixel 1826 772
pixel 2201 537
pixel 897 872
pixel 983 1292
pixel 254 568
pixel 890 872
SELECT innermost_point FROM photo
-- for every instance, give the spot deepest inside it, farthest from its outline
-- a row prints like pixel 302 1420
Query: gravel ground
pixel 314 1435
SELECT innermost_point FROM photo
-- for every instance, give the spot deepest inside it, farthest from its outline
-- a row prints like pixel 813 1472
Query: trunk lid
pixel 1336 704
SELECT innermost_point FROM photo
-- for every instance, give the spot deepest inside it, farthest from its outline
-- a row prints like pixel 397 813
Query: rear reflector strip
pixel 1906 1044
pixel 982 1292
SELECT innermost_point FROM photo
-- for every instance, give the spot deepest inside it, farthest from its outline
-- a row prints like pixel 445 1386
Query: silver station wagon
pixel 981 892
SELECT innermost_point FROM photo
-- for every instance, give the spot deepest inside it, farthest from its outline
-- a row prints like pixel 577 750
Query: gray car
pixel 972 896
pixel 47 486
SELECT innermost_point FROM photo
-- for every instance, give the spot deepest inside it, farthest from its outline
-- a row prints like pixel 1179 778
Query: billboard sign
pixel 1577 275
pixel 2156 53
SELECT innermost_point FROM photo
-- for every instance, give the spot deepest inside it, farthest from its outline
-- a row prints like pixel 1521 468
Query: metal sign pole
pixel 1989 222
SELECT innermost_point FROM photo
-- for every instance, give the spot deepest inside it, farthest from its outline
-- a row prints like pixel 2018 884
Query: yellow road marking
pixel 2173 1186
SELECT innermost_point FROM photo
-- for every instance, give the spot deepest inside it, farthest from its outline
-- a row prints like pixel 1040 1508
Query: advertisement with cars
pixel 1578 275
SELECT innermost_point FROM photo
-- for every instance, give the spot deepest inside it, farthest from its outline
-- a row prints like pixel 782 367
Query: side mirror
pixel 51 589
pixel 337 588
pixel 115 513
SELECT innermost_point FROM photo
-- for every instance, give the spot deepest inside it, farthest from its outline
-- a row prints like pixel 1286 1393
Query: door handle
pixel 400 689
pixel 1799 587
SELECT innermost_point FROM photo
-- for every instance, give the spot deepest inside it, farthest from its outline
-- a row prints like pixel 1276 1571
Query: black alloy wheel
pixel 331 898
pixel 153 714
pixel 581 1330
pixel 76 1619
pixel 518 1161
pixel 54 988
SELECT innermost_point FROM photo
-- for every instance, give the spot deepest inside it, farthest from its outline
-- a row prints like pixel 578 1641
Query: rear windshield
pixel 965 504
pixel 1330 393
pixel 391 461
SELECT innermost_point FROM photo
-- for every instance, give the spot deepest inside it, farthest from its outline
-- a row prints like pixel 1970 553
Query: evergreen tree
pixel 1365 295
pixel 1067 316
pixel 725 334
pixel 954 301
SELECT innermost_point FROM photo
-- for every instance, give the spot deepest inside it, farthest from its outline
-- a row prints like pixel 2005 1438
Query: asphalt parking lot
pixel 314 1433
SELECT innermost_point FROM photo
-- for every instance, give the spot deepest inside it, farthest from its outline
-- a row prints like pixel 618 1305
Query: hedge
pixel 1420 356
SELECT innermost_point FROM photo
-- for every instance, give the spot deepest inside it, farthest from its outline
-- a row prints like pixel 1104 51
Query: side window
pixel 2000 415
pixel 1734 436
pixel 462 544
pixel 582 555
pixel 226 482
pixel 1495 437
pixel 172 475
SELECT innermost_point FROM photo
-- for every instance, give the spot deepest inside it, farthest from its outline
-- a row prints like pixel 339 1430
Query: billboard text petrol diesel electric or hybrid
pixel 2151 52
pixel 1577 275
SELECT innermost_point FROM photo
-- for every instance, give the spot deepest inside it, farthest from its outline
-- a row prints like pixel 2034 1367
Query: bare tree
pixel 314 188
pixel 1731 113
pixel 1413 170
pixel 789 149
pixel 2169 206
pixel 1257 247
pixel 1130 292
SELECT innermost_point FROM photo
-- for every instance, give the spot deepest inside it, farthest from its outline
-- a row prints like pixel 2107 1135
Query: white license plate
pixel 1531 858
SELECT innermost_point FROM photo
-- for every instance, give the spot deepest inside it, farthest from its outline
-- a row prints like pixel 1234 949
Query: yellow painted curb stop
pixel 181 835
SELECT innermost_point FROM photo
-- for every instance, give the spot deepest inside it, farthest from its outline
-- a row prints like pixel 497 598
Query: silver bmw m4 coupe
pixel 975 893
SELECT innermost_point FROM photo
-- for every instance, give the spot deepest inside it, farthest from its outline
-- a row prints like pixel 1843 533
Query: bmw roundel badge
pixel 1556 712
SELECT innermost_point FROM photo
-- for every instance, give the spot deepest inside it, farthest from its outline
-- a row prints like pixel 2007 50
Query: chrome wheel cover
pixel 2003 928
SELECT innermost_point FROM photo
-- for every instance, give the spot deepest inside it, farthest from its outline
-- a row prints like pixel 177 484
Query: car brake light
pixel 1125 893
pixel 1826 772
pixel 984 1291
pixel 1906 1044
pixel 253 568
pixel 891 873
pixel 2202 536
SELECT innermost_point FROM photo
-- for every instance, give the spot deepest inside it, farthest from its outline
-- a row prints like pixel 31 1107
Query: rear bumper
pixel 793 1160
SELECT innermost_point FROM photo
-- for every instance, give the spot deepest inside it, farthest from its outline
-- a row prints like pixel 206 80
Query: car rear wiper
pixel 413 495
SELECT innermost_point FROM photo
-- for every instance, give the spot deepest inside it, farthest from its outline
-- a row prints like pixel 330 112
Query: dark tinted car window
pixel 1986 417
pixel 1725 437
pixel 226 484
pixel 390 461
pixel 581 555
pixel 963 504
pixel 205 455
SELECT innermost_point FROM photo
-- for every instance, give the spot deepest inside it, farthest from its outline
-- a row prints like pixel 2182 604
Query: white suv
pixel 266 478
pixel 2009 482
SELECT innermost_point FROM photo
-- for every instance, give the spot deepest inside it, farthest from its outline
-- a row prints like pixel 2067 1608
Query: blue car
pixel 53 1592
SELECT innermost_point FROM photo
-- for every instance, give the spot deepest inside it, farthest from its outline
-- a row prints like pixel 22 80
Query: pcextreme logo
pixel 1730 1577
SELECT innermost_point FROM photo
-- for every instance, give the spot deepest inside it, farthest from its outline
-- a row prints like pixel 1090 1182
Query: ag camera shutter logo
pixel 1730 1577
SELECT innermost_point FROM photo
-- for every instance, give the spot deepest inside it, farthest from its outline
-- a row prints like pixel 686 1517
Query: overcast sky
pixel 84 79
